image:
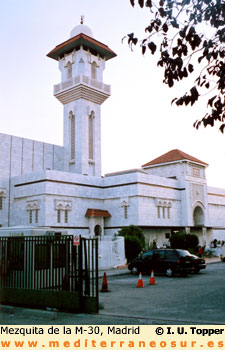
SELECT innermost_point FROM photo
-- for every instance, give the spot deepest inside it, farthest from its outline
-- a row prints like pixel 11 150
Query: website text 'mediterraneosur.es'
pixel 110 344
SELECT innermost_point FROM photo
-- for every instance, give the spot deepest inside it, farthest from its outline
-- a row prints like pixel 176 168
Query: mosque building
pixel 47 188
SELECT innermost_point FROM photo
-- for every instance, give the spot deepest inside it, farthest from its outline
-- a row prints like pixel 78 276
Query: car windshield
pixel 183 253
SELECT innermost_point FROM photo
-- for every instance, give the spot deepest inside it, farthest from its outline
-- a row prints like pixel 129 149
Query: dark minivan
pixel 165 261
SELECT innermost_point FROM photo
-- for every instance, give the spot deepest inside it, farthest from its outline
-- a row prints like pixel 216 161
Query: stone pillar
pixel 187 230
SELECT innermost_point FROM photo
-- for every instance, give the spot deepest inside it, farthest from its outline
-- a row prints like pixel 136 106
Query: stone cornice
pixel 84 92
pixel 82 86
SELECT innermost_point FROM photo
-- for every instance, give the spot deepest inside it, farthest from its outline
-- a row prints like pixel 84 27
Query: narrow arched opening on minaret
pixel 94 70
pixel 69 70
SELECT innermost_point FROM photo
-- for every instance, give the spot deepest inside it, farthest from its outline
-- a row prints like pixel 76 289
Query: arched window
pixel 58 216
pixel 91 135
pixel 125 206
pixel 2 195
pixel 158 211
pixel 33 208
pixel 30 216
pixel 62 211
pixel 198 216
pixel 94 70
pixel 66 216
pixel 36 216
pixel 72 136
pixel 168 212
pixel 69 70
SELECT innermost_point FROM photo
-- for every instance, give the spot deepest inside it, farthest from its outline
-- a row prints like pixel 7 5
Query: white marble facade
pixel 45 187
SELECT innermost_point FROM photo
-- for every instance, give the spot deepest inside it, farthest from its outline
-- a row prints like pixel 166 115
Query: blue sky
pixel 138 121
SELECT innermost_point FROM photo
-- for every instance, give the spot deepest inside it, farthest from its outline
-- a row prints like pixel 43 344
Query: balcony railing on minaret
pixel 82 79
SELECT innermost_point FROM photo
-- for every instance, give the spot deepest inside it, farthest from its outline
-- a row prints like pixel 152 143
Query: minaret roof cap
pixel 88 43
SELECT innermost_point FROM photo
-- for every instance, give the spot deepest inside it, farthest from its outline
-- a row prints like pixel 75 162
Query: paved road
pixel 196 299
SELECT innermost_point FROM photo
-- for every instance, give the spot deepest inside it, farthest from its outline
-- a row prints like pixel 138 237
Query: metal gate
pixel 49 271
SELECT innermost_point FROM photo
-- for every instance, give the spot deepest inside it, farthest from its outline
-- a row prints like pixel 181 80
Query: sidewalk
pixel 215 259
pixel 120 270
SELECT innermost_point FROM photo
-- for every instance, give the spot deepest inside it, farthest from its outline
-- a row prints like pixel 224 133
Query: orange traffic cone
pixel 152 278
pixel 104 284
pixel 140 283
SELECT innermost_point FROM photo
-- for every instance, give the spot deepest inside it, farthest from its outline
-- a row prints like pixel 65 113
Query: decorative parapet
pixel 82 79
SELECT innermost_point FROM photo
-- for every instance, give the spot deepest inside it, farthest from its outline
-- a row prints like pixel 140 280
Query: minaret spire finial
pixel 82 19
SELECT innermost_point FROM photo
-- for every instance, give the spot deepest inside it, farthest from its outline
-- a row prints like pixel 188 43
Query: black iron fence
pixel 50 264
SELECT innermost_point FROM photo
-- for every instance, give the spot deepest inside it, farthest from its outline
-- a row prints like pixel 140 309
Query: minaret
pixel 82 91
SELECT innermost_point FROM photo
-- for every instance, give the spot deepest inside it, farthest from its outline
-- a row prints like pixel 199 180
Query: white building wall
pixel 5 141
pixel 20 214
pixel 216 199
pixel 168 215
pixel 20 156
pixel 51 186
pixel 167 170
pixel 27 161
pixel 142 193
pixel 156 192
pixel 158 235
pixel 81 110
pixel 4 185
pixel 178 169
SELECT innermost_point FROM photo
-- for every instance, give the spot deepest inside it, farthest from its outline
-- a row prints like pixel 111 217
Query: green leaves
pixel 190 68
pixel 152 47
pixel 132 40
pixel 140 2
pixel 210 101
pixel 191 98
pixel 174 23
pixel 165 28
pixel 134 240
pixel 178 29
pixel 148 3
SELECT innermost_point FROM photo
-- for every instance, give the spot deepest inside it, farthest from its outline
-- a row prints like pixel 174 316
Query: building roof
pixel 88 43
pixel 98 213
pixel 173 156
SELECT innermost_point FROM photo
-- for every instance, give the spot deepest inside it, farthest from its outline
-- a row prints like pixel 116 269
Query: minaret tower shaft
pixel 82 91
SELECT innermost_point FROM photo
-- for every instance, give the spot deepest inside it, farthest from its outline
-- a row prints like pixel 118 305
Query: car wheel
pixel 169 272
pixel 134 270
pixel 196 270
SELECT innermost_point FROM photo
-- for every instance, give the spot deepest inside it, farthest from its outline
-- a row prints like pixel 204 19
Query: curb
pixel 7 309
pixel 13 310
pixel 50 314
pixel 114 272
pixel 213 261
